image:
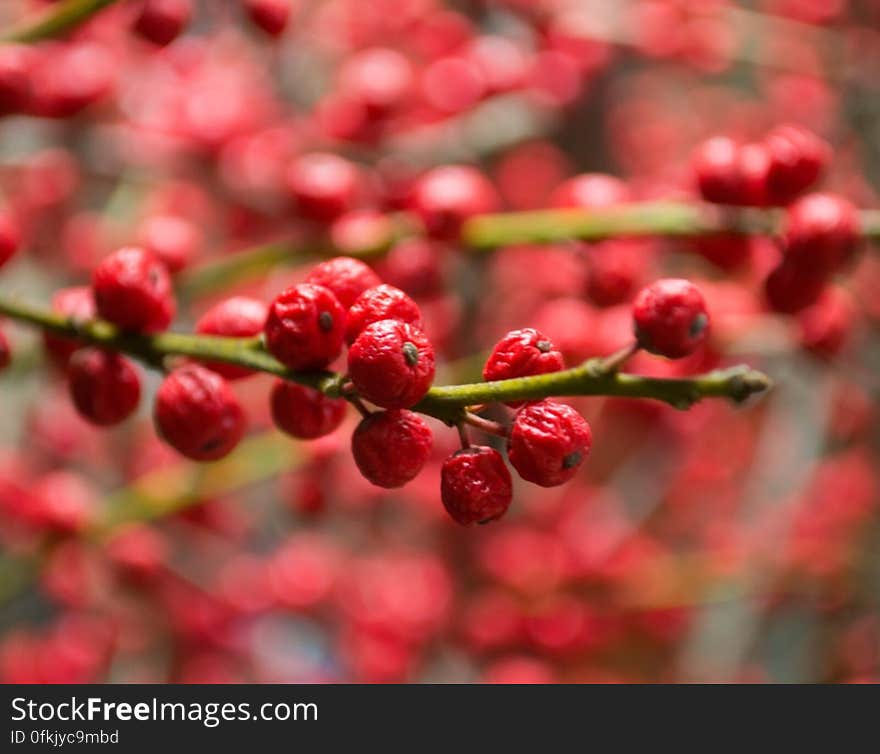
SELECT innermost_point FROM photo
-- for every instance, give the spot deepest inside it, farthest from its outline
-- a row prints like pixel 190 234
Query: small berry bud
pixel 346 277
pixel 391 447
pixel 305 327
pixel 521 353
pixel 475 485
pixel 304 412
pixel 104 386
pixel 132 289
pixel 235 317
pixel 670 318
pixel 391 364
pixel 376 304
pixel 198 414
pixel 548 442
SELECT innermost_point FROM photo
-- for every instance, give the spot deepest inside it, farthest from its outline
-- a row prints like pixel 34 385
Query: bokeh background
pixel 717 544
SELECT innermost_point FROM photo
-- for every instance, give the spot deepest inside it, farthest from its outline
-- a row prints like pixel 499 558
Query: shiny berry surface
pixel 670 318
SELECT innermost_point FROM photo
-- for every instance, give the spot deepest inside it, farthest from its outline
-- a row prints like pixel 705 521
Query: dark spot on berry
pixel 153 277
pixel 572 460
pixel 544 346
pixel 325 321
pixel 410 353
pixel 698 325
pixel 210 445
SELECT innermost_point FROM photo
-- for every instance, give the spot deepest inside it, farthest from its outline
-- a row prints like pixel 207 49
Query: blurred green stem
pixel 56 20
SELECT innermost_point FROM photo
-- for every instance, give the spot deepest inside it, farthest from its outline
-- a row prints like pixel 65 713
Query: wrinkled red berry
pixel 104 386
pixel 475 485
pixel 792 287
pixel 670 318
pixel 197 413
pixel 132 289
pixel 235 317
pixel 391 447
pixel 521 353
pixel 10 236
pixel 821 232
pixel 173 240
pixel 305 327
pixel 323 185
pixel 447 196
pixel 548 442
pixel 304 412
pixel 376 304
pixel 391 364
pixel 272 16
pixel 78 304
pixel 162 21
pixel 590 191
pixel 797 160
pixel 347 277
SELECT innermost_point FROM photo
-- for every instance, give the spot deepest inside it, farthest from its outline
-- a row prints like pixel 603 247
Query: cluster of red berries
pixel 821 230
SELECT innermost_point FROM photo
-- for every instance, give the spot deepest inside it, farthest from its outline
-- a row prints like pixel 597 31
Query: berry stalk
pixel 57 20
pixel 446 403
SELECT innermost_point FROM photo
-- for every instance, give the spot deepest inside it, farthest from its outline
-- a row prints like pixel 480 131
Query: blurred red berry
pixel 173 240
pixel 15 83
pixel 162 21
pixel 791 287
pixel 670 318
pixel 132 289
pixel 391 447
pixel 234 317
pixel 304 412
pixel 391 364
pixel 272 16
pixel 381 78
pixel 78 304
pixel 797 160
pixel 447 196
pixel 826 326
pixel 323 186
pixel 822 232
pixel 10 236
pixel 5 351
pixel 475 485
pixel 375 304
pixel 346 277
pixel 105 387
pixel 197 413
pixel 590 191
pixel 717 169
pixel 305 327
pixel 548 442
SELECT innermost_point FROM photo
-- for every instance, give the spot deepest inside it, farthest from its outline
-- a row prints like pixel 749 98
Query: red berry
pixel 391 364
pixel 132 289
pixel 173 240
pixel 716 166
pixel 323 185
pixel 413 265
pixel 792 287
pixel 753 164
pixel 797 160
pixel 548 442
pixel 475 485
pixel 391 447
pixel 379 78
pixel 235 317
pixel 10 237
pixel 670 318
pixel 348 278
pixel 821 232
pixel 615 266
pixel 15 84
pixel 304 412
pixel 521 353
pixel 161 21
pixel 305 327
pixel 198 414
pixel 5 351
pixel 78 304
pixel 272 16
pixel 447 196
pixel 590 191
pixel 104 386
pixel 376 304
pixel 826 326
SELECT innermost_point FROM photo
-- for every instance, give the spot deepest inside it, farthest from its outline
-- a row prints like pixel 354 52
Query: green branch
pixel 57 20
pixel 445 403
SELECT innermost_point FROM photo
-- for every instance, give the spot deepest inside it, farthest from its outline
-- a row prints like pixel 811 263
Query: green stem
pixel 445 403
pixel 56 20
